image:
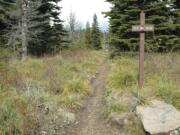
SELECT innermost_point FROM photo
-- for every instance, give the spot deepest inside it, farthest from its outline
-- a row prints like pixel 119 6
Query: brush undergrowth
pixel 28 86
pixel 162 77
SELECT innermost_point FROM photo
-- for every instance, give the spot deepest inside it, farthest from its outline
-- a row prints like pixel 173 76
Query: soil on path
pixel 90 120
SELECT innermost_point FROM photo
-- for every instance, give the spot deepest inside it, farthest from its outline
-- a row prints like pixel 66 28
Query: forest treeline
pixel 163 14
pixel 35 27
pixel 31 26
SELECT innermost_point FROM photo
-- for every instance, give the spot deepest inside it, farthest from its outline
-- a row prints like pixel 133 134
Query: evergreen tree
pixel 124 14
pixel 95 34
pixel 25 26
pixel 52 35
pixel 31 26
pixel 6 6
pixel 88 35
pixel 176 23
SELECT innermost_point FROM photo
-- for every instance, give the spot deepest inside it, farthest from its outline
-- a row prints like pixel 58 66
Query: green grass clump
pixel 168 91
pixel 118 107
pixel 77 86
pixel 123 74
pixel 66 74
pixel 162 76
pixel 28 87
pixel 12 110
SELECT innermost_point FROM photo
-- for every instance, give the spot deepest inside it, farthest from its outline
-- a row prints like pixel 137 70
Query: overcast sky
pixel 85 9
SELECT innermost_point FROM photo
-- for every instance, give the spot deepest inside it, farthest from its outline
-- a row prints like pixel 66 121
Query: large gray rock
pixel 159 117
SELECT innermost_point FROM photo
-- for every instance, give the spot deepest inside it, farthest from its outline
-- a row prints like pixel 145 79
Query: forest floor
pixel 90 119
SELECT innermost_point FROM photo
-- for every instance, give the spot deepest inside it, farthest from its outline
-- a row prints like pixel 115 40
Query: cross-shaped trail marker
pixel 142 28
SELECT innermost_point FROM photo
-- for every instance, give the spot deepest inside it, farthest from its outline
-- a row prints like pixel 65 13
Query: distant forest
pixel 36 28
pixel 31 26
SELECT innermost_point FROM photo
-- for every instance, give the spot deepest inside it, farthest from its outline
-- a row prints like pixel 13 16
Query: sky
pixel 85 9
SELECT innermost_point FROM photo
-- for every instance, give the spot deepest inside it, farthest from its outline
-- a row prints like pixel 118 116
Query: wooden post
pixel 142 28
pixel 141 51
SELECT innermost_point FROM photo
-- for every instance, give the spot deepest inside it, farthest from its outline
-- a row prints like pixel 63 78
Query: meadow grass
pixel 60 81
pixel 162 77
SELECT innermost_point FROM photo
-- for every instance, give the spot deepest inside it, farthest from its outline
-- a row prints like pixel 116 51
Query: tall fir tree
pixel 6 6
pixel 124 14
pixel 25 26
pixel 52 35
pixel 31 26
pixel 176 23
pixel 88 35
pixel 96 34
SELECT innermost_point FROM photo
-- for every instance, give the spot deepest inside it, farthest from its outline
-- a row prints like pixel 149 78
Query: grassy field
pixel 35 93
pixel 162 77
pixel 47 83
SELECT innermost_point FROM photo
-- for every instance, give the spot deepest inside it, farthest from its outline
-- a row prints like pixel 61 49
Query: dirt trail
pixel 90 121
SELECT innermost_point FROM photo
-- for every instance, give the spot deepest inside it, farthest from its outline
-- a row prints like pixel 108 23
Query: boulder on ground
pixel 159 118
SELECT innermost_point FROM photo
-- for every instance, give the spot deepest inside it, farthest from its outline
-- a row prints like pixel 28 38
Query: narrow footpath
pixel 90 120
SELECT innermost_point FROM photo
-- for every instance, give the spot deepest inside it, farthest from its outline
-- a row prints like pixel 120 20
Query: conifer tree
pixel 124 14
pixel 25 26
pixel 6 6
pixel 176 23
pixel 52 35
pixel 88 35
pixel 95 34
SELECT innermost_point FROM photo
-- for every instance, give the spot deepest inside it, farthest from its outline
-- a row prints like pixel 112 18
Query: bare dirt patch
pixel 90 120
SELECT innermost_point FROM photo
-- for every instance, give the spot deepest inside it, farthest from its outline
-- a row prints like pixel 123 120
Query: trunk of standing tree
pixel 72 25
pixel 24 29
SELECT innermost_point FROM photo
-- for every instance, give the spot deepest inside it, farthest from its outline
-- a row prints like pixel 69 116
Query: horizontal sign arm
pixel 145 28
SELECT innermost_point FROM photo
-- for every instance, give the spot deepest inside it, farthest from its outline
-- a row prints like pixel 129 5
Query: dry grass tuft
pixel 30 89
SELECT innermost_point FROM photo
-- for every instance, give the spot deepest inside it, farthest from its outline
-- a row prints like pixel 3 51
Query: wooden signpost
pixel 142 28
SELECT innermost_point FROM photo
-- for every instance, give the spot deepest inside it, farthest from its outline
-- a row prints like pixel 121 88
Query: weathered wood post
pixel 142 28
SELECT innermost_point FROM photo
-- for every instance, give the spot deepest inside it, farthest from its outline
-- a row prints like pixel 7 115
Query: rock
pixel 59 112
pixel 159 118
pixel 126 99
pixel 123 119
pixel 53 119
pixel 67 116
pixel 118 119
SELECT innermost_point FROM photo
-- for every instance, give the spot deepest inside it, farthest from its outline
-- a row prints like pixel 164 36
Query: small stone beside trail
pixel 52 119
pixel 159 118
